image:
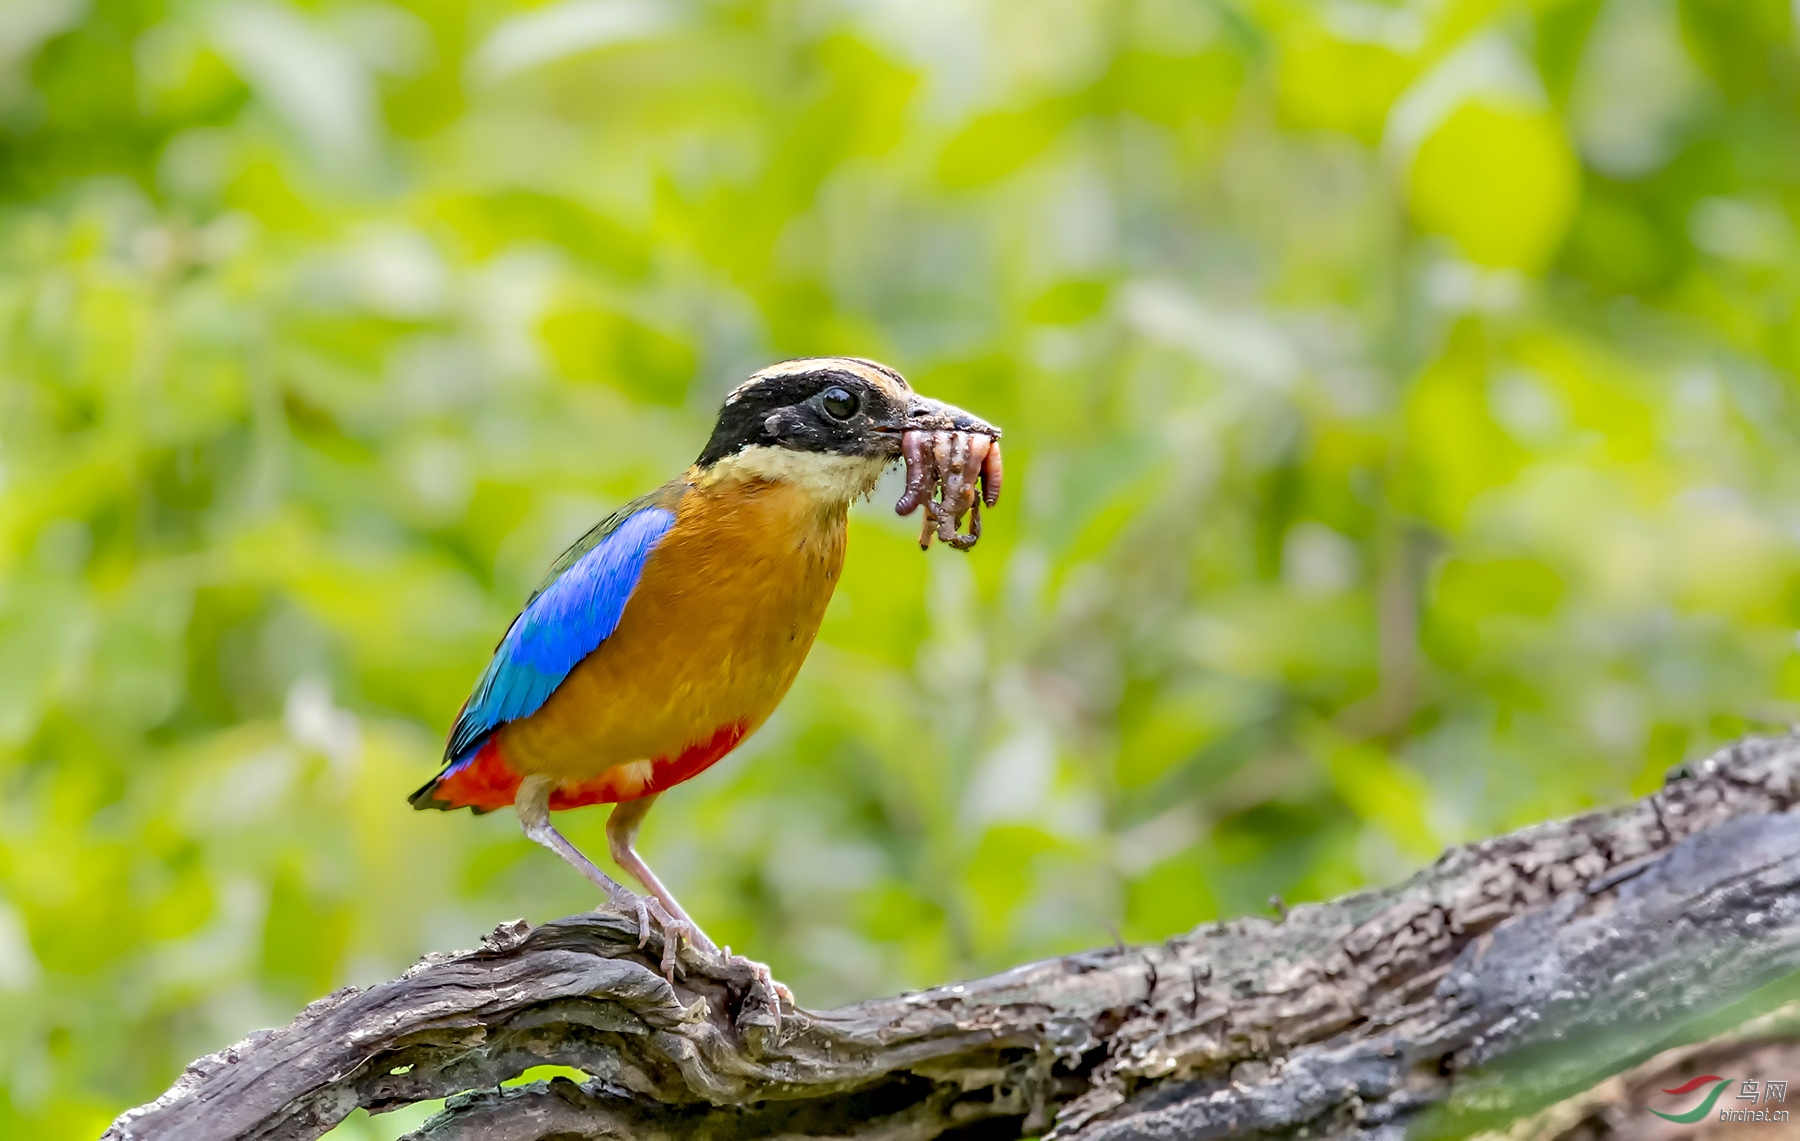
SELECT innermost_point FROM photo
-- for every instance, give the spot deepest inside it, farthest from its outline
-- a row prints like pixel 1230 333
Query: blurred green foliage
pixel 1401 415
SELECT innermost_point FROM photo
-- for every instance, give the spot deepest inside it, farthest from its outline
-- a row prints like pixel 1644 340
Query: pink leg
pixel 621 836
pixel 532 803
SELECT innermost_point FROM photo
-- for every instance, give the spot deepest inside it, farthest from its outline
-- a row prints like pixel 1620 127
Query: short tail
pixel 479 780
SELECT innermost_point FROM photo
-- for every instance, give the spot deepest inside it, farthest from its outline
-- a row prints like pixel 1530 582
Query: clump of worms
pixel 950 474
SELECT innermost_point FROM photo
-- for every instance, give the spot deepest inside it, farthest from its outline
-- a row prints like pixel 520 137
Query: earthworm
pixel 950 474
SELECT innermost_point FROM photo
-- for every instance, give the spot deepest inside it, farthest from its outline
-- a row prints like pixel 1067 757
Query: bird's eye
pixel 839 403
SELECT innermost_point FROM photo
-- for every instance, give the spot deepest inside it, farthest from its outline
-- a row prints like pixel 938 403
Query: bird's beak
pixel 926 415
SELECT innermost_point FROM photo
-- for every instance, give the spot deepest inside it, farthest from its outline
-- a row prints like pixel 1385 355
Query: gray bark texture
pixel 1506 978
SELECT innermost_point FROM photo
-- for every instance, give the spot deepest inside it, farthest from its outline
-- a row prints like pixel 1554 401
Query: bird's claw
pixel 673 931
pixel 647 908
pixel 764 985
pixel 643 909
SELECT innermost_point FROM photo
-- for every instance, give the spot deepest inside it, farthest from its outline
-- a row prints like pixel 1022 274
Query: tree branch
pixel 1510 974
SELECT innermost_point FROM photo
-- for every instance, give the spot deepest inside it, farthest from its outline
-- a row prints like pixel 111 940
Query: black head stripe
pixel 752 408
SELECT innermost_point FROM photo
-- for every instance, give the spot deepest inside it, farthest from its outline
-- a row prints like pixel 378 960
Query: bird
pixel 671 630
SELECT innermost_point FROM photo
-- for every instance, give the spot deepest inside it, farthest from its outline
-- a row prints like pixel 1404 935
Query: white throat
pixel 826 476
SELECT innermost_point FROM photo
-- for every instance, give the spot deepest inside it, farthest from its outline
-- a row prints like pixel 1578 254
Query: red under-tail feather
pixel 483 781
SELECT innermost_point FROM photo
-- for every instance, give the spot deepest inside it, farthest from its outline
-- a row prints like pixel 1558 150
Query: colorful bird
pixel 669 632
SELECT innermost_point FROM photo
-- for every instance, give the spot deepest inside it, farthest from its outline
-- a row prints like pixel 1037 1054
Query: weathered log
pixel 1510 974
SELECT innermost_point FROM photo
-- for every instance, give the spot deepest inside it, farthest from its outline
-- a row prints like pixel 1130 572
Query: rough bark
pixel 1509 975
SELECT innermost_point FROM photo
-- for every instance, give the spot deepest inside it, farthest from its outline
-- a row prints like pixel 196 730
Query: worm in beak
pixel 950 472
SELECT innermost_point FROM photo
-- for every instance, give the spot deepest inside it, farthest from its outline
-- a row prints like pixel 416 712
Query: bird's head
pixel 830 424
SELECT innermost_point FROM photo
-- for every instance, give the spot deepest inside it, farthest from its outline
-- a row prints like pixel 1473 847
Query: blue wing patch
pixel 575 610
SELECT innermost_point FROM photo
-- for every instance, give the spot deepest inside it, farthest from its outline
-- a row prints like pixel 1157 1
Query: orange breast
pixel 712 638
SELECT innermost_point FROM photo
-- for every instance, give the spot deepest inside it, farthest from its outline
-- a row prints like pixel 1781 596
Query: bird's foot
pixel 764 985
pixel 673 932
pixel 645 908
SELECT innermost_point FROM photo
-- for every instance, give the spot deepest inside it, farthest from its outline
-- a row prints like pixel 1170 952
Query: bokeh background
pixel 1401 425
